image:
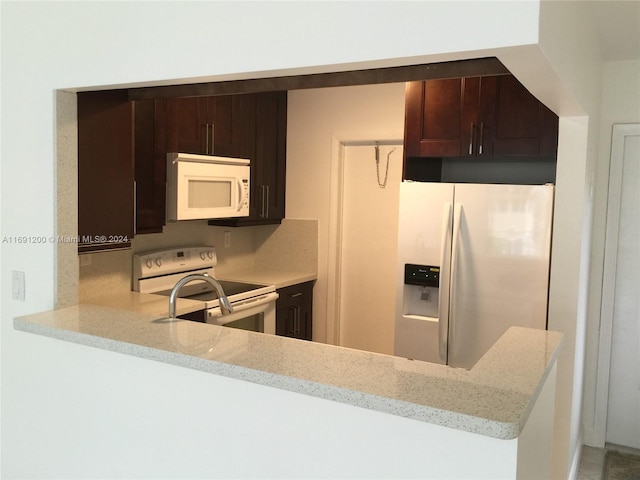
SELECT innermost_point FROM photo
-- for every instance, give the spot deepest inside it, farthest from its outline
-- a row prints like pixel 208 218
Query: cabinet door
pixel 201 125
pixel 294 311
pixel 186 129
pixel 217 116
pixel 243 126
pixel 105 170
pixel 270 157
pixel 150 165
pixel 434 124
pixel 514 121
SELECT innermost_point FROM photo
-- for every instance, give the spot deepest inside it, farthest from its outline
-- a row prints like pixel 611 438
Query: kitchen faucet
pixel 225 306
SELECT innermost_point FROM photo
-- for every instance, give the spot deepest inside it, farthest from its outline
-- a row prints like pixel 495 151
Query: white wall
pixel 316 117
pixel 620 103
pixel 89 413
pixel 54 409
pixel 568 51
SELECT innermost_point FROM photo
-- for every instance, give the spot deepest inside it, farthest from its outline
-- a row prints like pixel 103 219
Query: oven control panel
pixel 164 262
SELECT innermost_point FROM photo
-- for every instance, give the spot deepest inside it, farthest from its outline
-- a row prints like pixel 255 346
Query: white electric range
pixel 157 271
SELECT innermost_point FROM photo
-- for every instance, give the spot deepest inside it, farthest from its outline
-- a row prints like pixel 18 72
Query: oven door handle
pixel 214 315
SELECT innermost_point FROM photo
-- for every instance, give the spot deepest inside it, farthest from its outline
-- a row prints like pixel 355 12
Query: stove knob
pixel 202 255
pixel 159 261
pixel 149 263
pixel 210 254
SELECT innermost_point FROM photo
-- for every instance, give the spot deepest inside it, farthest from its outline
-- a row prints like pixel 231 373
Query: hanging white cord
pixel 382 184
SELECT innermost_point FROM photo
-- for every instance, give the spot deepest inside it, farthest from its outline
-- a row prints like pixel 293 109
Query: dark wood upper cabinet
pixel 475 117
pixel 150 164
pixel 105 171
pixel 517 123
pixel 270 157
pixel 265 116
pixel 433 118
pixel 251 126
pixel 205 125
pixel 223 126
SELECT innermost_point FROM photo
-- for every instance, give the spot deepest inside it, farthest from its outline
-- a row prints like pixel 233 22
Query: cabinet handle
pixel 471 139
pixel 264 208
pixel 296 319
pixel 135 207
pixel 212 138
pixel 481 136
pixel 208 147
pixel 294 295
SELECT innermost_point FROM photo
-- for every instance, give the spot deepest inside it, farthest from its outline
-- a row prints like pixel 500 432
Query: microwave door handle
pixel 239 182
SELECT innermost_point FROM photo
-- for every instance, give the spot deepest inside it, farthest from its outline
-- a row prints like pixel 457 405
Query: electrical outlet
pixel 17 285
pixel 227 239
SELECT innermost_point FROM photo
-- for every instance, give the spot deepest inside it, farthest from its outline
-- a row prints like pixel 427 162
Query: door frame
pixel 619 133
pixel 339 142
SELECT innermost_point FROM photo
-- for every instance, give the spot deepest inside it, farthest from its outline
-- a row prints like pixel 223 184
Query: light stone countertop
pixel 279 278
pixel 494 398
pixel 158 305
pixel 144 303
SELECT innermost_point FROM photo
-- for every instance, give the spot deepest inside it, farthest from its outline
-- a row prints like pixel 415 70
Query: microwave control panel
pixel 244 203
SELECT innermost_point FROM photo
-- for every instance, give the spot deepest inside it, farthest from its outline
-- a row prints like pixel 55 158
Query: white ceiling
pixel 617 23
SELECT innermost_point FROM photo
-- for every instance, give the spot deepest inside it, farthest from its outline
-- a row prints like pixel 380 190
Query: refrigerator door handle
pixel 443 290
pixel 453 273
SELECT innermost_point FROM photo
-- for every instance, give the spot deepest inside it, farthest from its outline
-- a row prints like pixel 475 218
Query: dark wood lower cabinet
pixel 294 311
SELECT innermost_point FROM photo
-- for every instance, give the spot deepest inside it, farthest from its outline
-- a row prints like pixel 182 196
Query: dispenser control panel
pixel 423 275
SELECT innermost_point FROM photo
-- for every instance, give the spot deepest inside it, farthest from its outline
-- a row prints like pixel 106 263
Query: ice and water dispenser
pixel 417 326
pixel 421 290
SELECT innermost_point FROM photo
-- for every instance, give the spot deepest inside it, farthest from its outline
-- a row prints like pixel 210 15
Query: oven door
pixel 256 314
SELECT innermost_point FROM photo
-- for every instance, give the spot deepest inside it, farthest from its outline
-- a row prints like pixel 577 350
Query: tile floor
pixel 592 461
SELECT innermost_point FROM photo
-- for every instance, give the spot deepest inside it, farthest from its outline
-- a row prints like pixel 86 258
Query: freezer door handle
pixel 443 290
pixel 459 211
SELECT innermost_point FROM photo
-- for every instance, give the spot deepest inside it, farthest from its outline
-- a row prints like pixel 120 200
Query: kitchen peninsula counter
pixel 147 304
pixel 493 399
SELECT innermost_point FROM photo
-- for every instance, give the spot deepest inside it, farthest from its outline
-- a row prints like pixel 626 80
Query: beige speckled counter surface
pixel 493 399
pixel 144 303
pixel 279 278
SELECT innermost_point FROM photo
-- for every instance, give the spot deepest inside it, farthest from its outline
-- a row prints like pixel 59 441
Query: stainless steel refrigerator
pixel 473 260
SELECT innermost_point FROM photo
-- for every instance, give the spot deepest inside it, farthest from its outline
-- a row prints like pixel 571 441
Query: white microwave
pixel 204 186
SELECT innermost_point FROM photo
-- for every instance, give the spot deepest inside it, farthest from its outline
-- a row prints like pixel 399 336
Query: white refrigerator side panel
pixel 420 223
pixel 502 241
